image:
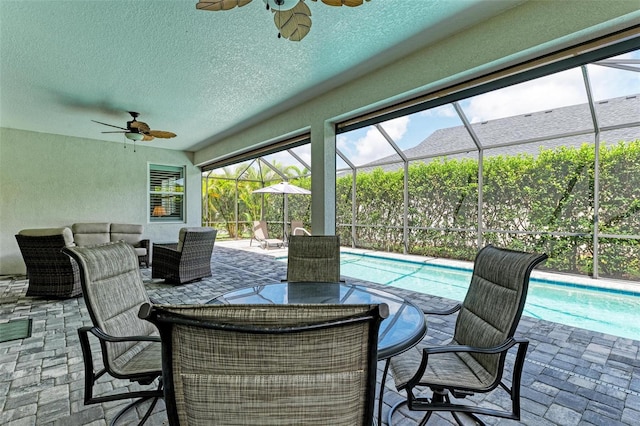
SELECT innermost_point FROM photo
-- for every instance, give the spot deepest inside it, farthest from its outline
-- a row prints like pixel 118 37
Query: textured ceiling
pixel 199 74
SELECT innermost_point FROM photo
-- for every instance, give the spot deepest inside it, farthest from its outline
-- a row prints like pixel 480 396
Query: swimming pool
pixel 607 311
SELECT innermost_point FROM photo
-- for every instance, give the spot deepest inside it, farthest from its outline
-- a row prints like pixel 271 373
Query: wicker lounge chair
pixel 473 362
pixel 261 235
pixel 187 260
pixel 269 364
pixel 314 258
pixel 113 292
pixel 49 271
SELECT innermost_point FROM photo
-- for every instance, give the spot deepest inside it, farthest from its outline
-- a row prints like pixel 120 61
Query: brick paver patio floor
pixel 571 376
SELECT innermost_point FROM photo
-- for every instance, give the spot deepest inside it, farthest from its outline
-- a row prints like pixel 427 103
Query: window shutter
pixel 166 193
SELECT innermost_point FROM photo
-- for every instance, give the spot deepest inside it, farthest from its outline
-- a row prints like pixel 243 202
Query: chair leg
pixel 381 395
pixel 437 397
pixel 393 409
pixel 458 418
pixel 135 403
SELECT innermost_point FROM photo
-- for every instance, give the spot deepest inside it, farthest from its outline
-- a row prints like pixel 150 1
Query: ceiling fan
pixel 138 130
pixel 292 17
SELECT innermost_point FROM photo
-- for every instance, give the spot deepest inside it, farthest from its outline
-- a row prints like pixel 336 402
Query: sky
pixel 561 89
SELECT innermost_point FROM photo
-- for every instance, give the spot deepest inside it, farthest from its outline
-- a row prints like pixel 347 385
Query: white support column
pixel 323 178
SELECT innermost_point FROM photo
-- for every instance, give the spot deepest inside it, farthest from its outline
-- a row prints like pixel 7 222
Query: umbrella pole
pixel 284 219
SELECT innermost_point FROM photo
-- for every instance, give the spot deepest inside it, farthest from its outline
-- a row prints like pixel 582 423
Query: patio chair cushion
pixel 90 234
pixel 128 233
pixel 47 232
pixel 442 369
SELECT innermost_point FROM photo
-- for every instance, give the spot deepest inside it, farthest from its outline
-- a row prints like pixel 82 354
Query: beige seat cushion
pixel 183 232
pixel 46 232
pixel 90 234
pixel 128 233
pixel 140 251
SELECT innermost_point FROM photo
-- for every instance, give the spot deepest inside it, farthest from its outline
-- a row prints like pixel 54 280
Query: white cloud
pixel 372 145
pixel 558 90
pixel 545 93
pixel 609 82
pixel 554 91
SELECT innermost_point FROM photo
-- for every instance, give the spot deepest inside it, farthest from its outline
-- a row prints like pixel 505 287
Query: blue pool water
pixel 612 312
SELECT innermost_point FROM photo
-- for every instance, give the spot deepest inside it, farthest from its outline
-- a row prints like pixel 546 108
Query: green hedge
pixel 526 198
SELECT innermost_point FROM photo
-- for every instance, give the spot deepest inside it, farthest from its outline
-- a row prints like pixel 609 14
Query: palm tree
pixel 220 190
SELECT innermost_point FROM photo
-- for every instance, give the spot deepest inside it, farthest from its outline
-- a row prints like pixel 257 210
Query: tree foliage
pixel 221 188
pixel 544 203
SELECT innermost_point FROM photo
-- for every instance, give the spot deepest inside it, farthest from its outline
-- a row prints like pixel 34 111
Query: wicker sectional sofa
pixel 53 274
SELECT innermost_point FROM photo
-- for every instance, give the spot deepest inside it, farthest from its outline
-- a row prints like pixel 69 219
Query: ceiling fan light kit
pixel 291 17
pixel 134 136
pixel 280 4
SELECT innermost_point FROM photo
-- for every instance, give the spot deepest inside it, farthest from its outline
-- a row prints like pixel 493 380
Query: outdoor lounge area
pixel 428 128
pixel 571 376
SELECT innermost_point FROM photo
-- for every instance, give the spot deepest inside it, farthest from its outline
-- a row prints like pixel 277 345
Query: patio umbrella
pixel 283 188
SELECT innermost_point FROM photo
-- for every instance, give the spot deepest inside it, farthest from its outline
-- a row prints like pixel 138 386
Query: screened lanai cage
pixel 231 204
pixel 548 164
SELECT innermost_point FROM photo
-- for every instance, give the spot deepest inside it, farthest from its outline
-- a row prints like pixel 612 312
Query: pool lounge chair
pixel 261 235
pixel 297 228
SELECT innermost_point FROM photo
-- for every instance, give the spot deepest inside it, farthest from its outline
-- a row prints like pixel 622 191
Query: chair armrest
pixel 143 244
pixel 168 246
pixel 504 346
pixel 108 338
pixel 449 311
pixel 165 254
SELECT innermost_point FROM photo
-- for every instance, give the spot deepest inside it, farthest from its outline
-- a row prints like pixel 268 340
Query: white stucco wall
pixel 53 181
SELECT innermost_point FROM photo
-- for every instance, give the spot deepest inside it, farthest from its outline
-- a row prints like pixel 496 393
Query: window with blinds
pixel 166 193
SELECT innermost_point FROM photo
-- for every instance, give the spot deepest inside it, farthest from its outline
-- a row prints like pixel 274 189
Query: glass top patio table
pixel 403 329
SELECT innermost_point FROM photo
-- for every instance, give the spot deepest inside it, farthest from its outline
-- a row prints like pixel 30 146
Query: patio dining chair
pixel 314 258
pixel 474 361
pixel 130 347
pixel 268 364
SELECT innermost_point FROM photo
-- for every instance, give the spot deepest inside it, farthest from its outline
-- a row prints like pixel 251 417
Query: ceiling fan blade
pixel 293 24
pixel 350 3
pixel 147 138
pixel 215 5
pixel 161 134
pixel 140 125
pixel 121 131
pixel 110 125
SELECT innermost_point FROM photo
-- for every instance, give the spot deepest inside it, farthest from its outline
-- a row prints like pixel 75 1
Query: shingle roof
pixel 566 120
